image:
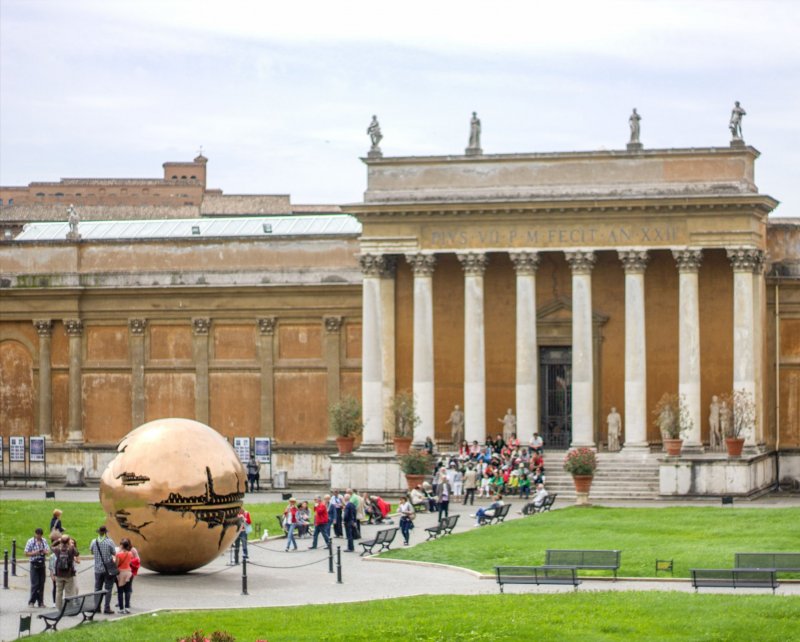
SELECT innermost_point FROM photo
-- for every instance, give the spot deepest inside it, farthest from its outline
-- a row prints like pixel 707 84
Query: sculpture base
pixel 635 147
pixel 374 473
pixel 473 151
pixel 710 475
pixel 375 154
pixel 737 142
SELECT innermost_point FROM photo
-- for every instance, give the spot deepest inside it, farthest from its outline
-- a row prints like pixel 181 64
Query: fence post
pixel 14 557
pixel 338 564
pixel 330 557
pixel 244 575
pixel 5 569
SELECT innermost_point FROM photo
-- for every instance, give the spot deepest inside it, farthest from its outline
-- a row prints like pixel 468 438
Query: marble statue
pixel 456 422
pixel 736 121
pixel 73 219
pixel 474 146
pixel 509 425
pixel 714 433
pixel 614 421
pixel 375 135
pixel 633 121
pixel 724 418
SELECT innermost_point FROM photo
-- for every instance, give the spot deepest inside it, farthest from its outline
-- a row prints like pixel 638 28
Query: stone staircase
pixel 618 477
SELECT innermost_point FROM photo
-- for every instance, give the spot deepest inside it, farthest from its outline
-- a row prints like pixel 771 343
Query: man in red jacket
pixel 321 523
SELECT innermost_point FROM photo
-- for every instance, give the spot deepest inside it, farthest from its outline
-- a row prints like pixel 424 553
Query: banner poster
pixel 37 449
pixel 242 447
pixel 16 448
pixel 263 450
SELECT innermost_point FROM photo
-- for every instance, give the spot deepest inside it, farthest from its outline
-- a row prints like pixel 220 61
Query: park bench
pixel 531 509
pixel 586 559
pixel 86 605
pixel 734 578
pixel 499 515
pixel 781 562
pixel 444 527
pixel 548 574
pixel 382 538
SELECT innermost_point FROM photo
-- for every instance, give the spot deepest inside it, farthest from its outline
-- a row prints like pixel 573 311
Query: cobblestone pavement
pixel 276 578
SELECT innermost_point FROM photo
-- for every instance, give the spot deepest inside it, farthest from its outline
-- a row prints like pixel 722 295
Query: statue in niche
pixel 724 418
pixel 614 421
pixel 735 124
pixel 456 422
pixel 633 121
pixel 375 135
pixel 714 432
pixel 509 425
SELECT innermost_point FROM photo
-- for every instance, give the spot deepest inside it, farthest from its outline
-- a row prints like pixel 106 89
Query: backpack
pixel 63 562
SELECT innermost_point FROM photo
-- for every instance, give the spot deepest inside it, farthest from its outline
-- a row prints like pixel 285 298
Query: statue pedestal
pixel 473 151
pixel 371 472
pixel 635 147
pixel 737 142
pixel 375 154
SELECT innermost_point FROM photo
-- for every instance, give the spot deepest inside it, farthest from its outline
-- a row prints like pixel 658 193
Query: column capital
pixel 372 264
pixel 421 264
pixel 760 262
pixel 473 263
pixel 333 324
pixel 688 260
pixel 746 259
pixel 634 261
pixel 389 268
pixel 44 327
pixel 74 327
pixel 266 325
pixel 201 325
pixel 137 326
pixel 581 261
pixel 525 263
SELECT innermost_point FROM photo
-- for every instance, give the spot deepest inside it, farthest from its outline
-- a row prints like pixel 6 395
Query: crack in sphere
pixel 174 489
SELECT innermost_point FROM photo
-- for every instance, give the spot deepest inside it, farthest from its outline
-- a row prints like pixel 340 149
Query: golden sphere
pixel 175 490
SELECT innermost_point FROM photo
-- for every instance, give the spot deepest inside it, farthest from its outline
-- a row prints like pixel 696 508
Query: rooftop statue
pixel 375 135
pixel 474 146
pixel 735 124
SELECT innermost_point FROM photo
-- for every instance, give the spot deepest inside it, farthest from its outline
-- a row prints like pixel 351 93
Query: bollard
pixel 244 575
pixel 338 564
pixel 330 557
pixel 5 569
pixel 14 557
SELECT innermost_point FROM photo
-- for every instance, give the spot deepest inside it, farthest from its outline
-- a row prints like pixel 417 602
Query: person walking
pixel 290 523
pixel 407 515
pixel 124 558
pixel 349 518
pixel 470 484
pixel 37 550
pixel 335 507
pixel 321 523
pixel 253 473
pixel 66 556
pixel 105 568
pixel 55 523
pixel 245 526
pixel 443 492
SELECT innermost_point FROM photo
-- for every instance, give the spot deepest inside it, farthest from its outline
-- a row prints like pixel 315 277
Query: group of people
pixel 113 565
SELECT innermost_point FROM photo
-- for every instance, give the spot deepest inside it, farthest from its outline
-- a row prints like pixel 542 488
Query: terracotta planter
pixel 402 445
pixel 582 483
pixel 734 446
pixel 673 446
pixel 345 445
pixel 414 480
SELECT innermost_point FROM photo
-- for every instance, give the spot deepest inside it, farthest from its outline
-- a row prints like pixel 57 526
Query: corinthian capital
pixel 581 261
pixel 746 259
pixel 372 264
pixel 525 263
pixel 688 260
pixel 473 263
pixel 44 327
pixel 74 327
pixel 421 264
pixel 201 325
pixel 634 261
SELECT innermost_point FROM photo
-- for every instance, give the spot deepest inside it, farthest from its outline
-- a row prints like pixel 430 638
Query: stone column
pixel 635 263
pixel 74 328
pixel 527 389
pixel 44 328
pixel 759 298
pixel 333 326
pixel 136 330
pixel 688 261
pixel 387 275
pixel 582 263
pixel 744 261
pixel 422 265
pixel 266 353
pixel 200 330
pixel 371 350
pixel 474 265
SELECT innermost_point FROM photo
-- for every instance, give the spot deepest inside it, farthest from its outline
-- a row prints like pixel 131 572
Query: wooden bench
pixel 382 538
pixel 531 509
pixel 585 559
pixel 444 527
pixel 499 515
pixel 734 578
pixel 781 562
pixel 548 574
pixel 86 605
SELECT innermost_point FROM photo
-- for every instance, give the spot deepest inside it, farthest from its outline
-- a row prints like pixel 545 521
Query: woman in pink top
pixel 123 559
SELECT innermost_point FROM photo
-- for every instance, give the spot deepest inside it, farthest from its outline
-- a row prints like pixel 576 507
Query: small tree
pixel 345 417
pixel 405 414
pixel 672 416
pixel 416 462
pixel 744 414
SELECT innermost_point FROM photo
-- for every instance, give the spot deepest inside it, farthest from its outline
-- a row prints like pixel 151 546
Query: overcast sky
pixel 279 94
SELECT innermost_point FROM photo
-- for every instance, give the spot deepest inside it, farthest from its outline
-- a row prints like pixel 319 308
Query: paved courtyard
pixel 279 579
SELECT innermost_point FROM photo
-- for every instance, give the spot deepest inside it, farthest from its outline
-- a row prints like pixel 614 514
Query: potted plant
pixel 743 407
pixel 345 418
pixel 406 420
pixel 581 464
pixel 416 464
pixel 672 418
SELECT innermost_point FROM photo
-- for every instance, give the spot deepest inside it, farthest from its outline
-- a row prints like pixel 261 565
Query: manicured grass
pixel 694 537
pixel 19 518
pixel 565 616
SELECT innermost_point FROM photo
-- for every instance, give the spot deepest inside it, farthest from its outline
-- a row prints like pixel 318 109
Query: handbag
pixel 111 568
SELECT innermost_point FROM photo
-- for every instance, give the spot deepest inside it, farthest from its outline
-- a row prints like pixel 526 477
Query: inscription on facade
pixel 556 236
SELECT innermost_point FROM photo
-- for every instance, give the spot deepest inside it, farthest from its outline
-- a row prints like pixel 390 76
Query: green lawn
pixel 19 518
pixel 564 616
pixel 694 537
